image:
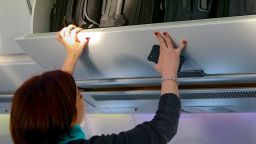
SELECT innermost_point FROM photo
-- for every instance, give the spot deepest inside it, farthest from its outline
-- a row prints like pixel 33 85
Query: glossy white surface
pixel 15 22
pixel 12 75
pixel 40 21
pixel 15 65
pixel 216 46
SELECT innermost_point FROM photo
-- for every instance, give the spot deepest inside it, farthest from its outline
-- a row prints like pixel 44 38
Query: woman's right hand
pixel 74 48
pixel 169 59
pixel 68 37
pixel 168 63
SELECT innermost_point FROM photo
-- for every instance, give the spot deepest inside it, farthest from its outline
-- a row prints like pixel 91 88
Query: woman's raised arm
pixel 74 48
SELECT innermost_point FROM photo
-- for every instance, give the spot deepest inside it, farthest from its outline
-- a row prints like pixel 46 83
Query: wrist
pixel 170 79
pixel 169 71
pixel 169 74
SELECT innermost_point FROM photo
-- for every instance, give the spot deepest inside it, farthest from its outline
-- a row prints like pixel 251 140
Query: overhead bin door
pixel 215 46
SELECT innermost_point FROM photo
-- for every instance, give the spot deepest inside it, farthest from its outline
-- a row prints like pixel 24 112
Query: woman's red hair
pixel 43 108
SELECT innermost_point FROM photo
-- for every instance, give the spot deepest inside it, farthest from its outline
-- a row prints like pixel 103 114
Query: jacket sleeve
pixel 159 130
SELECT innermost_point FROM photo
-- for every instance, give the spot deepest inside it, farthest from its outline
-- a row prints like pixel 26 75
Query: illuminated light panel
pixel 4 124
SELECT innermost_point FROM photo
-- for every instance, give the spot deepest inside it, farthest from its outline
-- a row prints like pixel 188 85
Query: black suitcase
pixel 180 10
pixel 105 13
pixel 143 11
pixel 69 17
pixel 88 13
pixel 226 8
pixel 250 7
pixel 112 13
pixel 57 18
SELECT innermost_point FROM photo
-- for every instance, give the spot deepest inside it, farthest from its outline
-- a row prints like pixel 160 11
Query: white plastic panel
pixel 12 75
pixel 216 46
pixel 40 21
pixel 15 22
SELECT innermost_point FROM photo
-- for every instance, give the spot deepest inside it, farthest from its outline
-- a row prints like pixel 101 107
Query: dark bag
pixel 226 8
pixel 180 10
pixel 112 13
pixel 57 18
pixel 143 11
pixel 250 7
pixel 69 17
pixel 88 13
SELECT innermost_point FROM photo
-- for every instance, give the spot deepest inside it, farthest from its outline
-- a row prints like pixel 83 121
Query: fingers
pixel 168 40
pixel 68 29
pixel 58 36
pixel 84 43
pixel 161 40
pixel 182 45
pixel 62 32
pixel 74 32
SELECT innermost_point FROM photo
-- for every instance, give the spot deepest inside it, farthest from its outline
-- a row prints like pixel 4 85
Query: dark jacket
pixel 160 130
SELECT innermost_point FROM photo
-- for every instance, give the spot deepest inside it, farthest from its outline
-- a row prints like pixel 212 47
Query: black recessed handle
pixel 191 73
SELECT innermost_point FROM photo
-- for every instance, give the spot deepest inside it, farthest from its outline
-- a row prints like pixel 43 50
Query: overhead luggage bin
pixel 219 73
pixel 215 46
pixel 223 49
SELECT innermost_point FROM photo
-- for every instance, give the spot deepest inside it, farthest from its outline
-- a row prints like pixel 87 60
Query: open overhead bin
pixel 224 49
pixel 218 74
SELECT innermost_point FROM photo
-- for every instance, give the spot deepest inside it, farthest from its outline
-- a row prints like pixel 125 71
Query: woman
pixel 48 108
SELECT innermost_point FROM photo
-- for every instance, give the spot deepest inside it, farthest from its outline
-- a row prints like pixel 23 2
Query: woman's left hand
pixel 68 37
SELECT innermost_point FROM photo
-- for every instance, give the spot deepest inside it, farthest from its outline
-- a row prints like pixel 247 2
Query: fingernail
pixel 87 38
pixel 165 33
pixel 156 33
pixel 184 41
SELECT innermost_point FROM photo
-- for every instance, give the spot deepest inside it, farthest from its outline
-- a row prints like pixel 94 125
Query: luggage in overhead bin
pixel 83 13
pixel 62 14
pixel 250 7
pixel 57 18
pixel 180 10
pixel 143 11
pixel 105 13
pixel 226 8
pixel 112 13
pixel 88 13
pixel 70 12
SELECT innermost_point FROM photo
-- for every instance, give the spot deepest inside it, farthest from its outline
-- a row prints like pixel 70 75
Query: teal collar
pixel 76 133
